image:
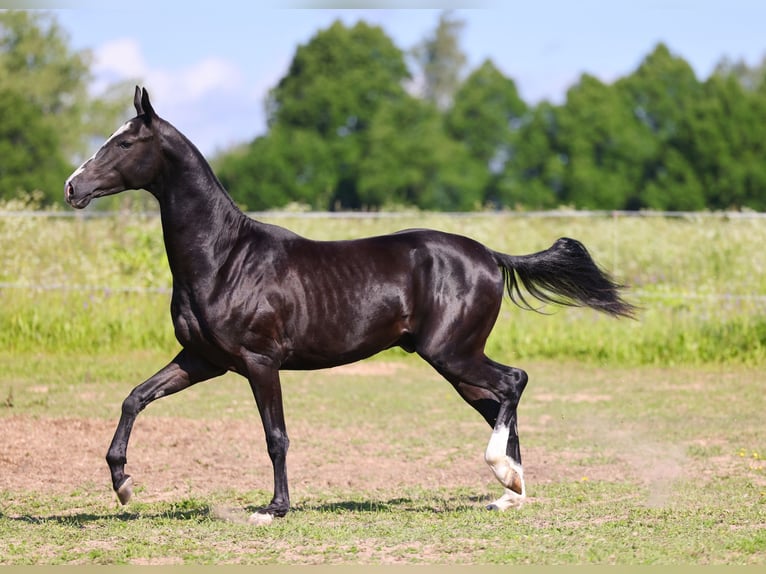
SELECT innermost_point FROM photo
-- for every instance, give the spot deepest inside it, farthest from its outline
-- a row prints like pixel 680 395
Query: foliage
pixel 47 118
pixel 486 116
pixel 441 61
pixel 410 160
pixel 288 165
pixel 657 138
pixel 319 115
pixel 348 129
pixel 30 149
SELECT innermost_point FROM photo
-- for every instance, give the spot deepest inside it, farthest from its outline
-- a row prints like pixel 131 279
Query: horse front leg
pixel 183 371
pixel 267 390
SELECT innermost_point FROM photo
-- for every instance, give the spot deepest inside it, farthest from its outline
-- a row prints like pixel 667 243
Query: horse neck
pixel 200 221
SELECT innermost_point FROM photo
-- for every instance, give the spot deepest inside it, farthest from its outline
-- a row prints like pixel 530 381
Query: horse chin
pixel 79 202
pixel 84 200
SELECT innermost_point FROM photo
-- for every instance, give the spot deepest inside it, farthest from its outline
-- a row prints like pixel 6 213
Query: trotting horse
pixel 255 298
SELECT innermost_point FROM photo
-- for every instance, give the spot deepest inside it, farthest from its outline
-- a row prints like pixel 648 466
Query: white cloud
pixel 186 92
pixel 121 58
pixel 212 75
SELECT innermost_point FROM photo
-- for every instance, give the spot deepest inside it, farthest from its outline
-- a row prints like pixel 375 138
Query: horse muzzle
pixel 71 197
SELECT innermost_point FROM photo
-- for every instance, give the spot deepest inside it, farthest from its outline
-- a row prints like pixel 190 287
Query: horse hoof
pixel 260 519
pixel 125 491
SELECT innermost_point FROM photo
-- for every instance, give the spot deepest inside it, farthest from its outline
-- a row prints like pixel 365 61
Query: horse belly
pixel 353 329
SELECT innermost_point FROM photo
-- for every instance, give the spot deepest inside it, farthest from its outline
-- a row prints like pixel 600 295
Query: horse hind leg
pixel 503 455
pixel 494 390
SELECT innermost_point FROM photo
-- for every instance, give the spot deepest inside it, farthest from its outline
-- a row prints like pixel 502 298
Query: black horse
pixel 255 298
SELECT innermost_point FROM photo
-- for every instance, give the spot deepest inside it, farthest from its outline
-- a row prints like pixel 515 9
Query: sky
pixel 209 65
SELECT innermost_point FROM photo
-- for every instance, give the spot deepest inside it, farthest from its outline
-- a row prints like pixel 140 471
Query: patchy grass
pixel 624 466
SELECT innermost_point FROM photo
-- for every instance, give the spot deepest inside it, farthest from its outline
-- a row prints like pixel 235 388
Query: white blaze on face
pixel 121 130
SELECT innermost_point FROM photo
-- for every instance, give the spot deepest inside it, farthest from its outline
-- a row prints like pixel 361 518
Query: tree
pixel 486 116
pixel 410 160
pixel 49 81
pixel 660 90
pixel 337 80
pixel 486 113
pixel 606 147
pixel 441 61
pixel 674 186
pixel 287 165
pixel 333 88
pixel 750 78
pixel 726 133
pixel 30 153
pixel 661 93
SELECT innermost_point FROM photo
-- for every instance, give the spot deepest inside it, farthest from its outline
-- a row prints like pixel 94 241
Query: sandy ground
pixel 172 457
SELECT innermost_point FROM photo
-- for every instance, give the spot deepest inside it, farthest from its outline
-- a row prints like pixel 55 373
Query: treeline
pixel 359 123
pixel 345 133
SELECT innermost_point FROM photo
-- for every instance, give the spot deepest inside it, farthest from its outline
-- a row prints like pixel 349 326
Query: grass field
pixel 624 466
pixel 700 281
pixel 643 441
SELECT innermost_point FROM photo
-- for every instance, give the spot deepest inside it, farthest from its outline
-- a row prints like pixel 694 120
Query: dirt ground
pixel 174 457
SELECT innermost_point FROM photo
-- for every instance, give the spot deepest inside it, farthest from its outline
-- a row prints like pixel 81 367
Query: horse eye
pixel 125 144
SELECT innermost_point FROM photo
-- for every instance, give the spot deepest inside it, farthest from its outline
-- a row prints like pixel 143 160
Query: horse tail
pixel 564 274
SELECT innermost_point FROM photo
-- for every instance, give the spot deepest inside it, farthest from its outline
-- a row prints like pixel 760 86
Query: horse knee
pixel 131 406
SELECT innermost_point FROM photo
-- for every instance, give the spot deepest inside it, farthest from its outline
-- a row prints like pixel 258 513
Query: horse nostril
pixel 68 191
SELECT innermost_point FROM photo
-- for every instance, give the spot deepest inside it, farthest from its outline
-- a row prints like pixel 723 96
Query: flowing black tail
pixel 565 274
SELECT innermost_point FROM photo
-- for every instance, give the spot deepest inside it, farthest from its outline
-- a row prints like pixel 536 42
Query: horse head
pixel 129 159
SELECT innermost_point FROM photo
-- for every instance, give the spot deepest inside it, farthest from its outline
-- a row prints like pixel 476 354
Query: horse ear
pixel 143 105
pixel 137 101
pixel 149 112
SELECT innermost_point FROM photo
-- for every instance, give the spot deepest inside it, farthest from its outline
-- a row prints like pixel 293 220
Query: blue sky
pixel 208 66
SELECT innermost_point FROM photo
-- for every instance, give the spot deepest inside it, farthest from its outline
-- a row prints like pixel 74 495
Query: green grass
pixel 411 528
pixel 701 283
pixel 639 465
pixel 643 441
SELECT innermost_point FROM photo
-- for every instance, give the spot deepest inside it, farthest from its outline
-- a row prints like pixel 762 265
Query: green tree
pixel 750 78
pixel 534 176
pixel 726 133
pixel 660 90
pixel 661 93
pixel 604 145
pixel 37 65
pixel 287 165
pixel 333 88
pixel 410 160
pixel 674 186
pixel 441 61
pixel 30 153
pixel 336 81
pixel 486 116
